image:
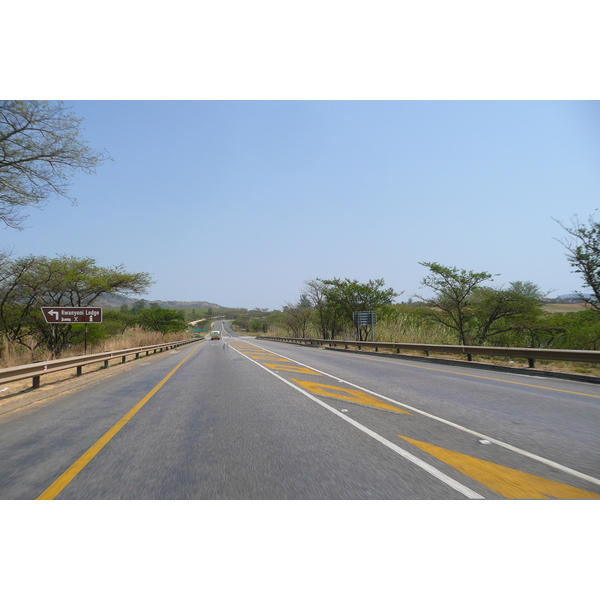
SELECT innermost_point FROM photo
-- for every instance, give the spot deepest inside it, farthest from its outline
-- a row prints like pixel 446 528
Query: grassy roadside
pixel 133 340
pixel 562 308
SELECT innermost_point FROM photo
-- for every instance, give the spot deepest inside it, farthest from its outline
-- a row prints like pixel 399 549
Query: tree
pixel 27 284
pixel 346 296
pixel 583 254
pixel 478 313
pixel 296 317
pixel 162 320
pixel 497 311
pixel 452 305
pixel 40 151
pixel 329 315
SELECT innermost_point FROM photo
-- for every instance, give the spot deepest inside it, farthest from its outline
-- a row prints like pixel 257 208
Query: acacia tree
pixel 497 311
pixel 583 254
pixel 452 304
pixel 479 313
pixel 40 151
pixel 27 284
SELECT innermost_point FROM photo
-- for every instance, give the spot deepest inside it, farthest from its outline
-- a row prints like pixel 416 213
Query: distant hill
pixel 116 301
pixel 174 304
pixel 573 297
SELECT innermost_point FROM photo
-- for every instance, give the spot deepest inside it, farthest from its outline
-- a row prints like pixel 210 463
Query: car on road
pixel 215 335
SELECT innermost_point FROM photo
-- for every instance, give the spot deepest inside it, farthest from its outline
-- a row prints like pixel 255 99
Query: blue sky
pixel 256 146
pixel 240 202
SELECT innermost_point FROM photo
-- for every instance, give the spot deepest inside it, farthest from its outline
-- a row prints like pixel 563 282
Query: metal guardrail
pixel 531 354
pixel 36 370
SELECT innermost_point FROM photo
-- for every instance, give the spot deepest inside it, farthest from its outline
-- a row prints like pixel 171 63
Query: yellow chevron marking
pixel 505 481
pixel 291 368
pixel 347 394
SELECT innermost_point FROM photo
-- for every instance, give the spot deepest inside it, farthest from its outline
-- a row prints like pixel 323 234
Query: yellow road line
pixel 333 391
pixel 540 387
pixel 510 483
pixel 61 483
pixel 292 369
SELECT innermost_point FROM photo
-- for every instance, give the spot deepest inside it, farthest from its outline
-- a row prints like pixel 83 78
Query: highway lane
pixel 559 418
pixel 240 418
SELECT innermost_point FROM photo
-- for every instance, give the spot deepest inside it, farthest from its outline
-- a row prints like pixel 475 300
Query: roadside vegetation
pixel 509 317
pixel 27 284
pixel 459 307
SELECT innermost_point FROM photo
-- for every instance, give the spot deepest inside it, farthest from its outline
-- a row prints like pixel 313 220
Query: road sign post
pixel 72 315
pixel 364 318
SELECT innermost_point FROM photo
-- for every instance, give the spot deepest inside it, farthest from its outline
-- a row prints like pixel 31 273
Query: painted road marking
pixel 479 435
pixel 333 391
pixel 455 485
pixel 63 481
pixel 292 369
pixel 505 481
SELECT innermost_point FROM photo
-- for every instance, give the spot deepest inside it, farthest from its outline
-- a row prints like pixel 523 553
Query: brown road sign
pixel 72 314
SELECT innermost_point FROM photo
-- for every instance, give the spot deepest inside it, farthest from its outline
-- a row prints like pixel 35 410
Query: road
pixel 240 418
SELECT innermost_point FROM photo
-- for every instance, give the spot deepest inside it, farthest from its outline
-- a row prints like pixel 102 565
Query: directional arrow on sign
pixel 72 314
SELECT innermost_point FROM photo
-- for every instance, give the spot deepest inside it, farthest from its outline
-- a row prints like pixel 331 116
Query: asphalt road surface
pixel 240 418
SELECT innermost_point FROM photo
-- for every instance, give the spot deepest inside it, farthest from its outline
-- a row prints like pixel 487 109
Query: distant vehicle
pixel 215 335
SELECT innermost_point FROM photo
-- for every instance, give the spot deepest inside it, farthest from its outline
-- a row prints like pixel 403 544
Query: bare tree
pixel 40 151
pixel 296 316
pixel 583 254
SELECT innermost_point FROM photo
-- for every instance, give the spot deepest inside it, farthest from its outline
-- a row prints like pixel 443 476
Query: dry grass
pixel 17 355
pixel 562 308
pixel 13 355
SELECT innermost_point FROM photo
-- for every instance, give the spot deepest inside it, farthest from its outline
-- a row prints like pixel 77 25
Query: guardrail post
pixel 531 363
pixel 123 359
pixel 469 357
pixel 35 382
pixel 79 371
pixel 426 352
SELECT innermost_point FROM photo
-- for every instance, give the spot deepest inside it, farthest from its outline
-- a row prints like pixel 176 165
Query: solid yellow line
pixel 539 387
pixel 63 481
